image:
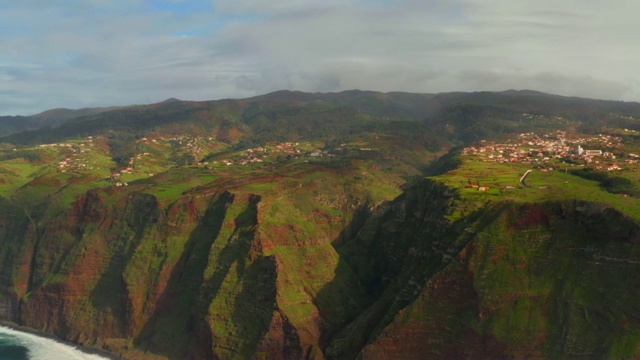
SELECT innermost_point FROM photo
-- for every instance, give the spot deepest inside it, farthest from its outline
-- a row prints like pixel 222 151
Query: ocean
pixel 17 345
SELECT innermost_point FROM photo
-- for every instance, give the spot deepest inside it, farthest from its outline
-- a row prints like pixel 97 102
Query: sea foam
pixel 41 348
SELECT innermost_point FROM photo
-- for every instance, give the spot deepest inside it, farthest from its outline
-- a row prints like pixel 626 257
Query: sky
pixel 87 53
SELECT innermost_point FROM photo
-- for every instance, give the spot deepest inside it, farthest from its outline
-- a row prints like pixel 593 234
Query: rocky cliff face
pixel 552 280
pixel 231 274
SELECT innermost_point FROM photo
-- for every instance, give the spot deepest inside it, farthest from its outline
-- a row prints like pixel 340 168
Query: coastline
pixel 84 349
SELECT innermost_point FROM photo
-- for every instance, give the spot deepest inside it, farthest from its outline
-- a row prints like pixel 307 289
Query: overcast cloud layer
pixel 81 53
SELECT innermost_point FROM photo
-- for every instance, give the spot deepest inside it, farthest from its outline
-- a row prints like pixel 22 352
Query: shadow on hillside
pixel 171 329
pixel 254 305
pixel 344 298
pixel 389 256
pixel 110 294
pixel 359 276
pixel 180 326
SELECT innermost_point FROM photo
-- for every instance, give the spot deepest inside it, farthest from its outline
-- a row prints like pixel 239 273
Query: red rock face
pixel 281 340
pixel 443 311
pixel 534 216
pixel 79 249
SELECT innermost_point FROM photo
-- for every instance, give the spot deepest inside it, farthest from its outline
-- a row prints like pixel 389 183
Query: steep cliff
pixel 231 273
pixel 546 280
pixel 206 273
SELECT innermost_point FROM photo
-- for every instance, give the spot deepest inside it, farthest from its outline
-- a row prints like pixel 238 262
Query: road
pixel 524 177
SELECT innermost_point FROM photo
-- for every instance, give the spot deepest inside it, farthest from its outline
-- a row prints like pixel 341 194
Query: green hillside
pixel 328 226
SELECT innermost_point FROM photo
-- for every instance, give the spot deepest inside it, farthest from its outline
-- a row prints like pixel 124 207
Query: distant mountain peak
pixel 170 100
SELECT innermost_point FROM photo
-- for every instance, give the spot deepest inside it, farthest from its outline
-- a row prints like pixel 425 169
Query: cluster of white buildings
pixel 73 160
pixel 191 143
pixel 258 154
pixel 530 148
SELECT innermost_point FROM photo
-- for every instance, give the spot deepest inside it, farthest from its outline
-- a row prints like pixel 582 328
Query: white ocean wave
pixel 41 348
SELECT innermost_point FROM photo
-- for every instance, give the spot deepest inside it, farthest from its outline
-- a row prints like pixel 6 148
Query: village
pixel 75 155
pixel 195 147
pixel 156 152
pixel 599 152
pixel 278 152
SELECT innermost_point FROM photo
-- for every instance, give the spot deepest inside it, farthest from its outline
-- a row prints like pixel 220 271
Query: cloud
pixel 96 53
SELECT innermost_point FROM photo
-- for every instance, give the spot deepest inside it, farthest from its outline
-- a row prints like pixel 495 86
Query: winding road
pixel 524 177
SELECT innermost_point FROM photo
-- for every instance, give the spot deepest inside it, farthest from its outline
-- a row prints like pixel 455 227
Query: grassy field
pixel 559 184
